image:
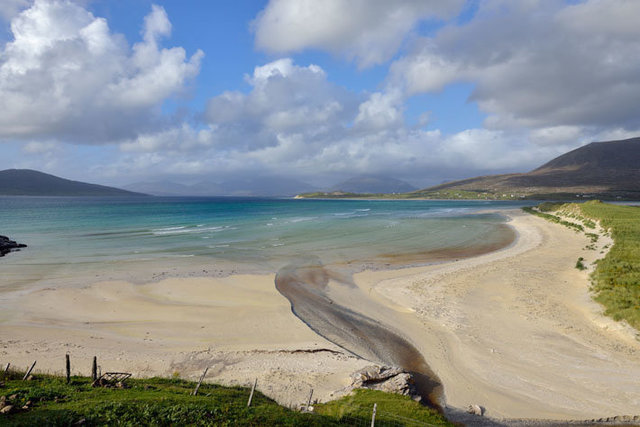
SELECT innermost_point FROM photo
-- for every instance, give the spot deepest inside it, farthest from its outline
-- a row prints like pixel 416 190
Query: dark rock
pixel 7 245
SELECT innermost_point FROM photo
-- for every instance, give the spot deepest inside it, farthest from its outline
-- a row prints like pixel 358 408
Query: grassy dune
pixel 616 279
pixel 158 401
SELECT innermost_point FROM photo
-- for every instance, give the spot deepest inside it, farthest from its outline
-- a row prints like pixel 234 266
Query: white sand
pixel 239 326
pixel 514 331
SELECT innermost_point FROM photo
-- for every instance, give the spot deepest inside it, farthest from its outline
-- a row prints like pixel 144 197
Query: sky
pixel 123 91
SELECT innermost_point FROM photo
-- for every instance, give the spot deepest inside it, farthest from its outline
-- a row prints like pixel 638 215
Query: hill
pixel 265 186
pixel 27 182
pixel 606 170
pixel 373 184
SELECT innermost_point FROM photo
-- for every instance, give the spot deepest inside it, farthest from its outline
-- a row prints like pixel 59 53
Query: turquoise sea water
pixel 250 234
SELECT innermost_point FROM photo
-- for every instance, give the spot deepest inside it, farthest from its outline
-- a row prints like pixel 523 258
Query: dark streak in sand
pixel 305 284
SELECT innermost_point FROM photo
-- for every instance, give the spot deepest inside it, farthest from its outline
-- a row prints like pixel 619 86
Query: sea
pixel 75 239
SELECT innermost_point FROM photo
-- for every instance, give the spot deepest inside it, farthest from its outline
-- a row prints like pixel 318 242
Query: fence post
pixel 195 392
pixel 309 401
pixel 94 369
pixel 29 371
pixel 252 390
pixel 373 416
pixel 68 366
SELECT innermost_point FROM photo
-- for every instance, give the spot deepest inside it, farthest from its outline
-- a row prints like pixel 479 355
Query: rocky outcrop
pixel 7 245
pixel 384 378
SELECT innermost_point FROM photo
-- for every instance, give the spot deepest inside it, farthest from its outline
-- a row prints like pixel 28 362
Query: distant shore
pixel 513 330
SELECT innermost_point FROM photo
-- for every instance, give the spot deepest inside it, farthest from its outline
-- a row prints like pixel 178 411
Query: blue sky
pixel 116 92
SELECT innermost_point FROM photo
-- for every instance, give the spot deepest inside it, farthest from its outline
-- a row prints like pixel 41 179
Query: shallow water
pixel 252 234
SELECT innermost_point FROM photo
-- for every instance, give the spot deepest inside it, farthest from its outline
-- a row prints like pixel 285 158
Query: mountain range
pixel 27 182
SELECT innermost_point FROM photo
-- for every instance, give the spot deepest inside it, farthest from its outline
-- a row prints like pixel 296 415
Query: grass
pixel 390 407
pixel 553 218
pixel 616 279
pixel 161 401
pixel 580 265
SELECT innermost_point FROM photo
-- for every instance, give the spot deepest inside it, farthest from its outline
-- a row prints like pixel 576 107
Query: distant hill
pixel 27 182
pixel 373 184
pixel 601 169
pixel 269 186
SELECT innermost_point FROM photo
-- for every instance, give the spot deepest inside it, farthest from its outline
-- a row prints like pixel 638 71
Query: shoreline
pixel 516 331
pixel 437 307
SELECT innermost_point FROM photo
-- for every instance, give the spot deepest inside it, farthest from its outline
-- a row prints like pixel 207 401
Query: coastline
pixel 516 330
pixel 481 324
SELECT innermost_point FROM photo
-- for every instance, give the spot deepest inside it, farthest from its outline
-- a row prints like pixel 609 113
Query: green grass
pixel 390 407
pixel 616 280
pixel 160 401
pixel 553 218
pixel 580 265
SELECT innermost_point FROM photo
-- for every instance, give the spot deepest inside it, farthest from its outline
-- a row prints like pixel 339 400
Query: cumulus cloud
pixel 367 31
pixel 65 75
pixel 295 121
pixel 284 99
pixel 538 64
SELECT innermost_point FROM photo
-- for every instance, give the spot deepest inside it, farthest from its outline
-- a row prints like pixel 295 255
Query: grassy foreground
pixel 616 279
pixel 49 401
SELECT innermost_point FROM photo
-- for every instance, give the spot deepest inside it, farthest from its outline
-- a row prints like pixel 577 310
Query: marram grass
pixel 616 279
pixel 168 402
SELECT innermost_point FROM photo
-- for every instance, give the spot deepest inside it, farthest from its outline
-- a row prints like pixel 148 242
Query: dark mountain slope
pixel 601 168
pixel 27 182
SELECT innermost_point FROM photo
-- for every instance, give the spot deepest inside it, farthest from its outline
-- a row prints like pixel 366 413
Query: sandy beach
pixel 515 330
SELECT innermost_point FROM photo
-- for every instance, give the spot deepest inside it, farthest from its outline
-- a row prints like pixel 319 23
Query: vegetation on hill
pixel 26 182
pixel 616 279
pixel 49 400
pixel 600 170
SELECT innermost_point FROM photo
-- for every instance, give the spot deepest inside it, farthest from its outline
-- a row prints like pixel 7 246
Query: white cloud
pixel 295 121
pixel 284 99
pixel 368 31
pixel 66 76
pixel 538 64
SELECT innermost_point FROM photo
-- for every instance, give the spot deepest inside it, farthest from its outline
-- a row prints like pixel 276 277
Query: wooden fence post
pixel 94 369
pixel 29 371
pixel 195 392
pixel 68 366
pixel 373 416
pixel 309 401
pixel 251 394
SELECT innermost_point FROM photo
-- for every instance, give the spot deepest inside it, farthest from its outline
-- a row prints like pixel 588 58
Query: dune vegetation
pixel 49 400
pixel 616 279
